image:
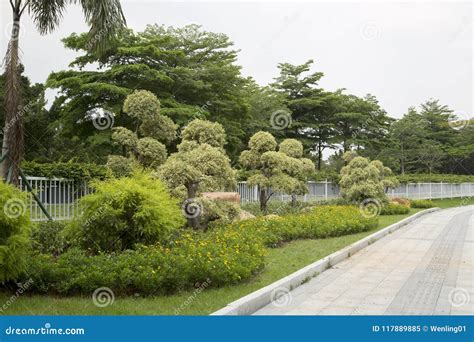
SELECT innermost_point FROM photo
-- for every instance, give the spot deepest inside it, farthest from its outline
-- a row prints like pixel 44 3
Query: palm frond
pixel 47 14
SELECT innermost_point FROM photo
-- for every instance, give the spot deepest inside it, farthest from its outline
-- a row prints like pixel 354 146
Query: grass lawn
pixel 280 262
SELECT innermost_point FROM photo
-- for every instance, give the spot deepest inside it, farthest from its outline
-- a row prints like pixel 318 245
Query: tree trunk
pixel 294 201
pixel 191 206
pixel 320 155
pixel 263 201
pixel 13 139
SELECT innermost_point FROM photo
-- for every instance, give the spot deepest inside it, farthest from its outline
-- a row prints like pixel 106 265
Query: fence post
pixel 326 189
pixel 441 190
pixel 419 190
pixel 431 197
pixel 406 191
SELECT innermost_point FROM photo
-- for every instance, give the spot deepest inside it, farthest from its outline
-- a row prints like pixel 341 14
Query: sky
pixel 404 53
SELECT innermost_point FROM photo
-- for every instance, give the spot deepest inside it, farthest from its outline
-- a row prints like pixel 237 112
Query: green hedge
pixel 318 223
pixel 219 257
pixel 394 209
pixel 435 178
pixel 78 171
pixel 422 204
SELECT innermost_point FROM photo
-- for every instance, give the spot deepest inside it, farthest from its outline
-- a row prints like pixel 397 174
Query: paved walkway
pixel 425 268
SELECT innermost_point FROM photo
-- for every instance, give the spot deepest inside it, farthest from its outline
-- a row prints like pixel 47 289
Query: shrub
pixel 320 222
pixel 48 237
pixel 277 208
pixel 394 209
pixel 219 257
pixel 422 204
pixel 216 211
pixel 70 170
pixel 126 211
pixel 401 201
pixel 15 228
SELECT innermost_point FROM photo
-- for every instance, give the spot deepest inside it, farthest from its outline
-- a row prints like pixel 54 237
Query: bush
pixel 321 222
pixel 213 211
pixel 70 170
pixel 401 201
pixel 126 211
pixel 277 208
pixel 218 257
pixel 422 204
pixel 48 237
pixel 15 228
pixel 394 209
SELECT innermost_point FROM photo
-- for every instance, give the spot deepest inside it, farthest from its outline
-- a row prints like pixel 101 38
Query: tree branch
pixel 24 7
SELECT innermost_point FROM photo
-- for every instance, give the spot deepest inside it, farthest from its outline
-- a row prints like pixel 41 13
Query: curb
pixel 258 299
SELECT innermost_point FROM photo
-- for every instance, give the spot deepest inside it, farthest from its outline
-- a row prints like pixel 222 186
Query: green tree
pixel 192 71
pixel 105 19
pixel 200 164
pixel 275 171
pixel 144 108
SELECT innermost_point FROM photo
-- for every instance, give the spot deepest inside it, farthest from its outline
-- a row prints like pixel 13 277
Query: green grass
pixel 455 202
pixel 280 263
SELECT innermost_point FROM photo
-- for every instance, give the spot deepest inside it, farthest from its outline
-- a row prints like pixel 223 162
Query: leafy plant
pixel 423 204
pixel 394 209
pixel 48 237
pixel 126 211
pixel 15 228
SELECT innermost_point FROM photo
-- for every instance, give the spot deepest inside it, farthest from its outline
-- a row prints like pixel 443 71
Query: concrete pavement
pixel 425 268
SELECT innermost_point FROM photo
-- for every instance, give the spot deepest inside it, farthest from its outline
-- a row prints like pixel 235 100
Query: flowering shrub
pixel 320 222
pixel 222 256
pixel 394 209
pixel 423 204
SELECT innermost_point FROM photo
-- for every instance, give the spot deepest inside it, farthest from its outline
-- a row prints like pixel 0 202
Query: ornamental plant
pixel 123 212
pixel 363 179
pixel 272 171
pixel 200 164
pixel 145 145
pixel 15 227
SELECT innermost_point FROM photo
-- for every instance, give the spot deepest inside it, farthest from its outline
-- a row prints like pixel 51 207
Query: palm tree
pixel 105 19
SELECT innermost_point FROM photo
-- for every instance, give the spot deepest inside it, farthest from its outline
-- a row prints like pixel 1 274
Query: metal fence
pixel 318 191
pixel 59 197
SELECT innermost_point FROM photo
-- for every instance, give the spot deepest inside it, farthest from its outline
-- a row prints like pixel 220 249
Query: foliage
pixel 394 209
pixel 283 171
pixel 277 208
pixel 200 163
pixel 48 237
pixel 120 166
pixel 402 201
pixel 318 223
pixel 423 204
pixel 218 257
pixel 70 170
pixel 126 211
pixel 15 224
pixel 435 178
pixel 362 179
pixel 216 211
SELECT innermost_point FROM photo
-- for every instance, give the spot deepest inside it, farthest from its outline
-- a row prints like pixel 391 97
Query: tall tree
pixel 105 19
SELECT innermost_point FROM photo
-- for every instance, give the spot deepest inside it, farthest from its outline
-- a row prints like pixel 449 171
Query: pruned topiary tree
pixel 200 164
pixel 362 179
pixel 145 145
pixel 284 170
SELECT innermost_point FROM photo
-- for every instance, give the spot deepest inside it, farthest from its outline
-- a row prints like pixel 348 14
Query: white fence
pixel 60 196
pixel 318 191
